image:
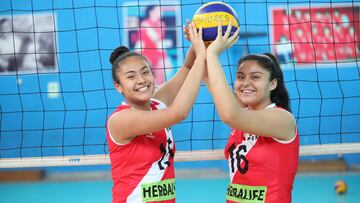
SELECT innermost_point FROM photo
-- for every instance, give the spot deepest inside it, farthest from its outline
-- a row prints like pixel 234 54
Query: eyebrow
pixel 132 71
pixel 145 67
pixel 239 72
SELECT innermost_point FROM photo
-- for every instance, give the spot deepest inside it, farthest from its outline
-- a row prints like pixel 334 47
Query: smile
pixel 142 89
pixel 247 91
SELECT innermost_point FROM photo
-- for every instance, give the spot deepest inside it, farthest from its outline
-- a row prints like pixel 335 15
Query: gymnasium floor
pixel 308 188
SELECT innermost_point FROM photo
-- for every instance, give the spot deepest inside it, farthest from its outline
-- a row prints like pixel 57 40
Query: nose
pixel 247 80
pixel 141 79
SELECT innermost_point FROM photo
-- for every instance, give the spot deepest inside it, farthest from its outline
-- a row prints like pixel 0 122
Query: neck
pixel 260 106
pixel 140 106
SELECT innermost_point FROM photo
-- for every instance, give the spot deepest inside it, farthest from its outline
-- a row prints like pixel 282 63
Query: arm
pixel 167 92
pixel 127 124
pixel 205 78
pixel 273 122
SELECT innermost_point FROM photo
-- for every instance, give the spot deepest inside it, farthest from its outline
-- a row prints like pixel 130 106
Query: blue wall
pixel 325 98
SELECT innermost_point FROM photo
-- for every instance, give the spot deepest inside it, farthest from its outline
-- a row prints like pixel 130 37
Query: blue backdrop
pixel 325 98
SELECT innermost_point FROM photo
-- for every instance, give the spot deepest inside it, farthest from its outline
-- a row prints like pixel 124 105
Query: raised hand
pixel 186 30
pixel 223 41
pixel 196 40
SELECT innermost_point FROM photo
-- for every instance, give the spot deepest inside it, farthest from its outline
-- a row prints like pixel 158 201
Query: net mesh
pixel 56 88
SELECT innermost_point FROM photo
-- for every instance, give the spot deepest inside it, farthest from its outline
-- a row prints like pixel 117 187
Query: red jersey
pixel 143 170
pixel 262 169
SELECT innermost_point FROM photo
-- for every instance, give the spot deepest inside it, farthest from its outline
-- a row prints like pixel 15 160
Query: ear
pixel 118 87
pixel 273 84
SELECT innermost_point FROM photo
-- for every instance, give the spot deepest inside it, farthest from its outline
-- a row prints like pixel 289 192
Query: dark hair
pixel 118 55
pixel 268 61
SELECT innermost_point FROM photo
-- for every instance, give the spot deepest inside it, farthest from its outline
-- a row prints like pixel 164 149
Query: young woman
pixel 263 147
pixel 139 136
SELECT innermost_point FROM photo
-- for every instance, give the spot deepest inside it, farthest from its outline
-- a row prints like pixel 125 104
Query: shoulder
pixel 281 111
pixel 287 119
pixel 120 108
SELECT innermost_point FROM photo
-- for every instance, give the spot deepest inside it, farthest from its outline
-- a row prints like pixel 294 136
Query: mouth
pixel 142 88
pixel 247 91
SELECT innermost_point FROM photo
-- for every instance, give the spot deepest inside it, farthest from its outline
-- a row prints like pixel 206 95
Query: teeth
pixel 142 89
pixel 247 91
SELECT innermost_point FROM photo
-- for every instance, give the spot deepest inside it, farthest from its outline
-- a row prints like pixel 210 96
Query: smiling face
pixel 136 81
pixel 252 86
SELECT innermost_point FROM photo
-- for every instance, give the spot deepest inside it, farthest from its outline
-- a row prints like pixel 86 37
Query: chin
pixel 144 98
pixel 245 102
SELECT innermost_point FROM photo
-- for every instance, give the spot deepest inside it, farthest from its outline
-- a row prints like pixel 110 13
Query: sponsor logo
pixel 159 191
pixel 246 193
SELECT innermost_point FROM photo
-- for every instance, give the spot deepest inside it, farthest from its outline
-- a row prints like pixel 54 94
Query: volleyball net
pixel 56 88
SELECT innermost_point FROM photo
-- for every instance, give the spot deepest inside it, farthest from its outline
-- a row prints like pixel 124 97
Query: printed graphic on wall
pixel 151 29
pixel 318 34
pixel 27 44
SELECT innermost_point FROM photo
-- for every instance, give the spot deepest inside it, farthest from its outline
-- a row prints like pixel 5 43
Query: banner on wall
pixel 317 34
pixel 152 30
pixel 27 43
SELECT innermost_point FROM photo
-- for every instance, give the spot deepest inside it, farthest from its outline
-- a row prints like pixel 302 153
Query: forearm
pixel 206 79
pixel 189 58
pixel 169 90
pixel 223 96
pixel 189 90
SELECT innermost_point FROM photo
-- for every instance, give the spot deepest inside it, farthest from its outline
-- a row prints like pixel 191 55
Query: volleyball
pixel 208 16
pixel 340 187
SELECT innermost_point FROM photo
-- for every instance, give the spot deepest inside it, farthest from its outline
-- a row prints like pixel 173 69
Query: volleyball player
pixel 263 147
pixel 139 136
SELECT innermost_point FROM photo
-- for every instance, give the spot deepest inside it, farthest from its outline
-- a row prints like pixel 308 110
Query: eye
pixel 255 77
pixel 130 77
pixel 240 77
pixel 146 72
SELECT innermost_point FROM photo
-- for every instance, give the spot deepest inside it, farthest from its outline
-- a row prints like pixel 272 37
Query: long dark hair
pixel 118 55
pixel 268 61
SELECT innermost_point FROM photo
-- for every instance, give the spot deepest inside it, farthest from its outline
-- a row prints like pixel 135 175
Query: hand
pixel 186 30
pixel 187 35
pixel 196 40
pixel 223 42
